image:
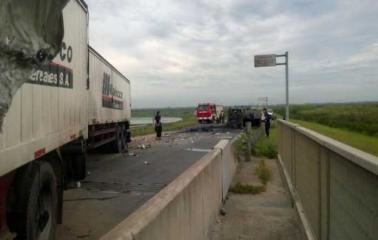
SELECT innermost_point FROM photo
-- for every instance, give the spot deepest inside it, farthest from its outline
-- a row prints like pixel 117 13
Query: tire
pixel 116 146
pixel 125 139
pixel 128 132
pixel 37 207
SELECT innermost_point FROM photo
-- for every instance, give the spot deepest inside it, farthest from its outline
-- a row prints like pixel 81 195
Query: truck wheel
pixel 38 204
pixel 125 137
pixel 117 144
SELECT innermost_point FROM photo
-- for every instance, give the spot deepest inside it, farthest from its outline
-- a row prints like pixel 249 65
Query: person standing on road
pixel 158 126
pixel 221 116
pixel 267 122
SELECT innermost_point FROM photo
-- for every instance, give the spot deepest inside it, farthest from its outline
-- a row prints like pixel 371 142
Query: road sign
pixel 265 60
pixel 270 61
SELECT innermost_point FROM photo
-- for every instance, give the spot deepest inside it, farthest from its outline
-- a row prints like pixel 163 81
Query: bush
pixel 263 172
pixel 267 146
pixel 240 145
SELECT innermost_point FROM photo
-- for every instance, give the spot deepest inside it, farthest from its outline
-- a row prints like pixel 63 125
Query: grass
pixel 240 145
pixel 240 188
pixel 188 120
pixel 363 142
pixel 356 117
pixel 267 146
pixel 263 172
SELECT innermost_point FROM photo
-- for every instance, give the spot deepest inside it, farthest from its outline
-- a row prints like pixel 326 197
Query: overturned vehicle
pixel 238 116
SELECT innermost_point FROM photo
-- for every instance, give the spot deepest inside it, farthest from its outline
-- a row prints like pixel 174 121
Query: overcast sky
pixel 180 53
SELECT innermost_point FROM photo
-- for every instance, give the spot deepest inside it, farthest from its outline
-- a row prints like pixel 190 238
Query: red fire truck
pixel 209 113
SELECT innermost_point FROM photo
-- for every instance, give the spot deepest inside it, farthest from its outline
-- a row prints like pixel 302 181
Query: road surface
pixel 120 183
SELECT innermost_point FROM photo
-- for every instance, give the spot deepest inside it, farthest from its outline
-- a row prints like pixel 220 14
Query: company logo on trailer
pixel 111 97
pixel 54 74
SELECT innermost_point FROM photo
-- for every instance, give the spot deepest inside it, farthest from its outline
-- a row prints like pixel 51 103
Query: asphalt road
pixel 120 183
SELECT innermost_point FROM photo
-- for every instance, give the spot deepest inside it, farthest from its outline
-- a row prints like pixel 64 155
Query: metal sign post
pixel 270 61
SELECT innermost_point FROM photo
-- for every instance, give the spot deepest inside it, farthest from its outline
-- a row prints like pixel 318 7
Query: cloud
pixel 179 53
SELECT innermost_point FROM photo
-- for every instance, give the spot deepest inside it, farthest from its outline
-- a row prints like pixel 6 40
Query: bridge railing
pixel 335 186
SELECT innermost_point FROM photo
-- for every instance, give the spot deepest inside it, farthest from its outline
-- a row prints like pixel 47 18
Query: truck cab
pixel 206 113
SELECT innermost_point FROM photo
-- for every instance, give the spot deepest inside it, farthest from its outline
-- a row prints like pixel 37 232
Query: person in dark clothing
pixel 158 126
pixel 267 122
pixel 221 117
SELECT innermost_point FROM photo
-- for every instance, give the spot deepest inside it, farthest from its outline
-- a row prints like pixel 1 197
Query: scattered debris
pixel 144 146
pixel 132 154
pixel 146 162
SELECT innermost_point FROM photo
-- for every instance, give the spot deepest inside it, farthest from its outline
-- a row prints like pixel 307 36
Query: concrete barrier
pixel 186 208
pixel 229 164
pixel 335 186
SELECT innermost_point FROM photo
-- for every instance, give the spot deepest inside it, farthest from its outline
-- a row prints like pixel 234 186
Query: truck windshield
pixel 204 107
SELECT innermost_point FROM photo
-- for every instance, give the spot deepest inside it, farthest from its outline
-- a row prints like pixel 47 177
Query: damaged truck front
pixel 52 108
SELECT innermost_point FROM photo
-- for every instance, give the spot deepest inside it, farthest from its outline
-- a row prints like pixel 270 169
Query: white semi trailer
pixel 76 102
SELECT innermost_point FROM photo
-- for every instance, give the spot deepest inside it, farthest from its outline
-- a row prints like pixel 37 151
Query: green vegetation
pixel 355 124
pixel 240 146
pixel 267 146
pixel 263 172
pixel 240 188
pixel 361 117
pixel 188 120
pixel 363 142
pixel 264 147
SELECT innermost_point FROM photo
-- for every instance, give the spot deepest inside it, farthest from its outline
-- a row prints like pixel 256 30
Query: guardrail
pixel 335 186
pixel 186 208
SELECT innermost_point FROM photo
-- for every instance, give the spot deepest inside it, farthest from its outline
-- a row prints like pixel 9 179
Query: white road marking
pixel 225 137
pixel 198 150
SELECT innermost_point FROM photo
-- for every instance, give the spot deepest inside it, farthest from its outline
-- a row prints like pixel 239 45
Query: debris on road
pixel 222 212
pixel 132 154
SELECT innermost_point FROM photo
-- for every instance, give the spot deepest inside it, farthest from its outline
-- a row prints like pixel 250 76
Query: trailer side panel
pixel 50 110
